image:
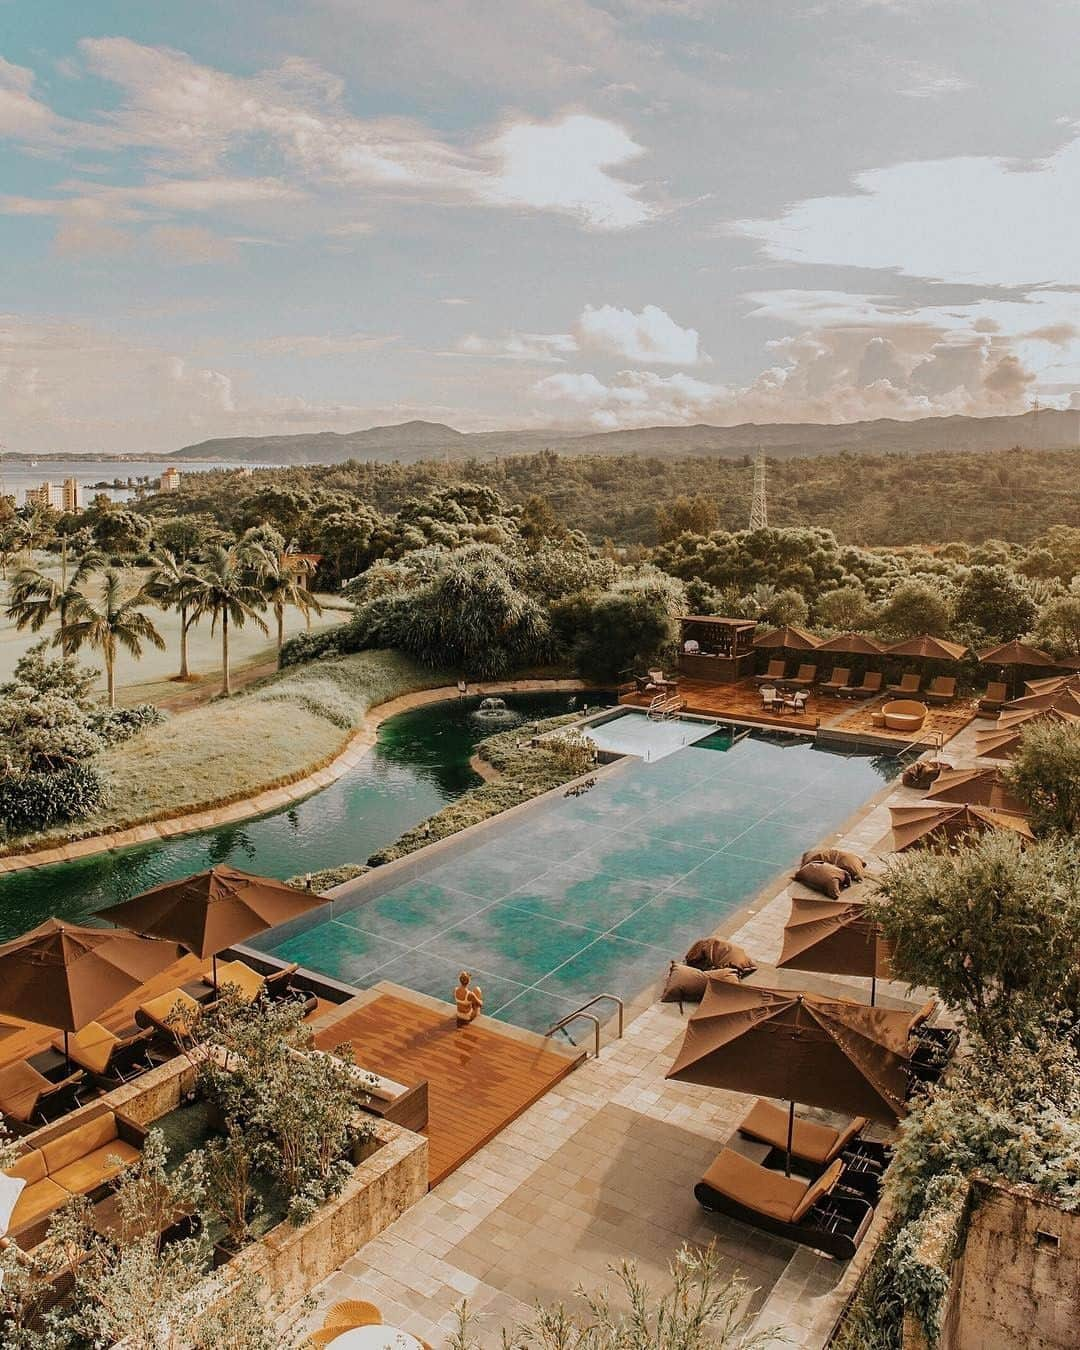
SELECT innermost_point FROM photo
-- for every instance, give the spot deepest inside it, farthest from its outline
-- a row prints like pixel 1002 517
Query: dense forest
pixel 870 500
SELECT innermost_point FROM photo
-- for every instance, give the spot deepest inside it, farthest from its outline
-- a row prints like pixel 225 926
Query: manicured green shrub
pixel 36 801
pixel 115 725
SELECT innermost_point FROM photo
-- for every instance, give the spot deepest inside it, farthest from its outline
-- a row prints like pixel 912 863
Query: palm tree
pixel 174 584
pixel 114 621
pixel 227 592
pixel 36 596
pixel 282 585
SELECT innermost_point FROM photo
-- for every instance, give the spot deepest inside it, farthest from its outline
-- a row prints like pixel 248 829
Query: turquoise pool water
pixel 420 763
pixel 597 893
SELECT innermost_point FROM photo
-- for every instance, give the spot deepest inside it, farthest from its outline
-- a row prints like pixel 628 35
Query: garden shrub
pixel 312 646
pixel 35 801
pixel 115 725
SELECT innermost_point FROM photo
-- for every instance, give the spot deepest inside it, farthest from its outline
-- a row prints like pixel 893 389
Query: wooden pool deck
pixel 742 702
pixel 480 1077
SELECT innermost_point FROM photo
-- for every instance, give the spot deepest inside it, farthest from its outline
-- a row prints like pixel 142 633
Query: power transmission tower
pixel 759 503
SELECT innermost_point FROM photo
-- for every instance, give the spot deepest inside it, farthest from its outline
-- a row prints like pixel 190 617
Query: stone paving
pixel 602 1169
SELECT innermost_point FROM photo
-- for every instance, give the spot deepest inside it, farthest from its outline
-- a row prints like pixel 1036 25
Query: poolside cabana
pixel 975 787
pixel 715 649
pixel 929 824
pixel 834 937
pixel 1011 656
pixel 928 648
pixel 790 638
pixel 852 644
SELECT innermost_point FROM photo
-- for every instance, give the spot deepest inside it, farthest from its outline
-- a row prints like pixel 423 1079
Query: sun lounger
pixel 775 672
pixel 909 684
pixel 109 1059
pixel 29 1099
pixel 813 1144
pixel 249 984
pixel 814 1213
pixel 995 697
pixel 871 685
pixel 173 1014
pixel 837 681
pixel 942 689
pixel 803 680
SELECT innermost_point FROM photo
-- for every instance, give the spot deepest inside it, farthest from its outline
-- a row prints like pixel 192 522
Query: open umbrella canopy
pixel 62 975
pixel 792 639
pixel 833 936
pixel 1051 684
pixel 1060 695
pixel 975 787
pixel 948 823
pixel 1016 653
pixel 1003 738
pixel 928 648
pixel 826 1052
pixel 855 644
pixel 211 911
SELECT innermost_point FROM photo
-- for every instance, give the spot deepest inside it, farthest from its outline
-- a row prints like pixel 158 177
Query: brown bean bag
pixel 850 862
pixel 823 877
pixel 716 954
pixel 684 984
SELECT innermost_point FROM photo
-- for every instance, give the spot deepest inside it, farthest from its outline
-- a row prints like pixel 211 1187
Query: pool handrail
pixel 583 1011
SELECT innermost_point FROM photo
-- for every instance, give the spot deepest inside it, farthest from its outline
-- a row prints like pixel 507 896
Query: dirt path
pixel 203 690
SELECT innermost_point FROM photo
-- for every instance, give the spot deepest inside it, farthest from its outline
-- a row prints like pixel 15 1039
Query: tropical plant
pixel 36 595
pixel 174 584
pixel 115 620
pixel 703 1309
pixel 1045 773
pixel 993 927
pixel 228 593
pixel 229 1162
pixel 283 583
pixel 625 628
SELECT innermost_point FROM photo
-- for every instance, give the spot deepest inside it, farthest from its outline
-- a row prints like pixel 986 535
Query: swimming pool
pixel 634 733
pixel 420 762
pixel 596 893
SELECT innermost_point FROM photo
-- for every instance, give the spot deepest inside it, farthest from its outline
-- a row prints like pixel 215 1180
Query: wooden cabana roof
pixel 717 620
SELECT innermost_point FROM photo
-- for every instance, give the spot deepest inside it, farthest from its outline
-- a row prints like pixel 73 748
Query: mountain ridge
pixel 1048 429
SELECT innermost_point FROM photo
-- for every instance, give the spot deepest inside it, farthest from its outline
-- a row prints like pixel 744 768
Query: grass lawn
pixel 274 732
pixel 149 680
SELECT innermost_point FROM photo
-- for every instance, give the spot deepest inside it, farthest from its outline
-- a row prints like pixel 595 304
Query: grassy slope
pixel 276 732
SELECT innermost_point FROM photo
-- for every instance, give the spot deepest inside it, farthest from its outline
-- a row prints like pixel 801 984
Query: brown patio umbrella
pixel 1003 738
pixel 949 823
pixel 975 787
pixel 211 911
pixel 64 976
pixel 855 644
pixel 827 1052
pixel 928 648
pixel 835 937
pixel 1060 695
pixel 1051 684
pixel 792 639
pixel 1015 654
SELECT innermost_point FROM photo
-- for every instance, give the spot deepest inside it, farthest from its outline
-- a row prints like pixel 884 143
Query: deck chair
pixel 871 685
pixel 995 698
pixel 109 1059
pixel 804 679
pixel 909 684
pixel 29 1099
pixel 814 1213
pixel 837 681
pixel 172 1015
pixel 946 1039
pixel 775 672
pixel 816 1145
pixel 942 689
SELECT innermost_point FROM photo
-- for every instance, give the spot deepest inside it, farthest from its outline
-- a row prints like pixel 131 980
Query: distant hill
pixel 411 441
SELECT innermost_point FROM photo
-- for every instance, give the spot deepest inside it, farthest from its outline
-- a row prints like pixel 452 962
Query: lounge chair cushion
pixel 29 1168
pixel 94 1169
pixel 159 1010
pixel 716 954
pixel 20 1087
pixel 810 1140
pixel 823 877
pixel 818 1190
pixel 37 1200
pixel 684 984
pixel 248 983
pixel 74 1144
pixel 90 1048
pixel 850 862
pixel 754 1186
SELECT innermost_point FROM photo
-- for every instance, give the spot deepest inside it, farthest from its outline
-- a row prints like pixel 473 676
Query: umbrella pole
pixel 873 990
pixel 790 1136
pixel 213 965
pixel 67 1057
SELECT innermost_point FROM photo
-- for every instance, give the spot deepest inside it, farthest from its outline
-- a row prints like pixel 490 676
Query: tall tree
pixel 174 584
pixel 282 582
pixel 228 592
pixel 37 595
pixel 110 622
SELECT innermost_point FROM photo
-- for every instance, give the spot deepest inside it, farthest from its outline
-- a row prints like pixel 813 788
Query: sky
pixel 277 216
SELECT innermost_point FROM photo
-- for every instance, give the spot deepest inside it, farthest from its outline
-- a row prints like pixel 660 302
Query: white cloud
pixel 969 219
pixel 22 115
pixel 649 337
pixel 319 344
pixel 520 346
pixel 562 166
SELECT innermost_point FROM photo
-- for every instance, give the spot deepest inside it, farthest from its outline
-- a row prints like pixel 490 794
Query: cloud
pixel 562 166
pixel 520 346
pixel 319 344
pixel 190 244
pixel 970 219
pixel 22 115
pixel 649 337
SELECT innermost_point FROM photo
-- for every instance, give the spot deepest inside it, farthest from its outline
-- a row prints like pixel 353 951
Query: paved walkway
pixel 601 1169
